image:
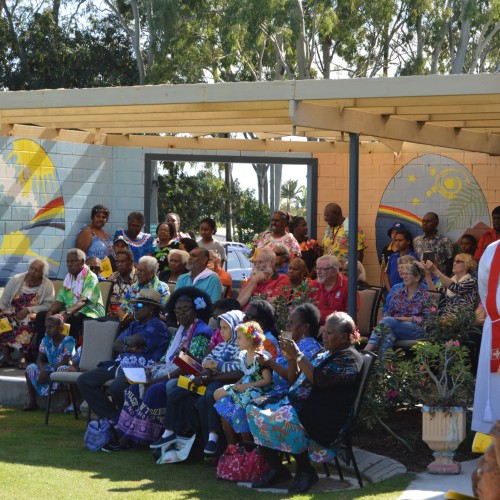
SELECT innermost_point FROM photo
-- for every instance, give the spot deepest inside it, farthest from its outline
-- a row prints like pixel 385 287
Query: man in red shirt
pixel 264 279
pixel 331 287
pixel 489 236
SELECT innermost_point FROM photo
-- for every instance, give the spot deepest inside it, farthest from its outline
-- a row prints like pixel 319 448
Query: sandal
pixel 22 364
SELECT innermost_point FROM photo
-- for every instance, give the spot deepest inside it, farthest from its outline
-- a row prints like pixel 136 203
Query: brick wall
pixel 376 172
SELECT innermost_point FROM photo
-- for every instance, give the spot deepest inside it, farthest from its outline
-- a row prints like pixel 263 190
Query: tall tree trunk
pixel 463 41
pixel 228 178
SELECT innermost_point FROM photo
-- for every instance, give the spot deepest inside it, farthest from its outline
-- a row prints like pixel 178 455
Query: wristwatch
pixel 299 357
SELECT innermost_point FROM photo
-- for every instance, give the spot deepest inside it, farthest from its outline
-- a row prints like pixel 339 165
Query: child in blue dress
pixel 232 399
pixel 54 355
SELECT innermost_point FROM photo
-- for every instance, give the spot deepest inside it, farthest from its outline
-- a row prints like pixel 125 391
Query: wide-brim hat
pixel 149 296
pixel 399 226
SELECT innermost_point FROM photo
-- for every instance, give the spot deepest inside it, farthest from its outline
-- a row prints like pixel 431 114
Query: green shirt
pixel 90 290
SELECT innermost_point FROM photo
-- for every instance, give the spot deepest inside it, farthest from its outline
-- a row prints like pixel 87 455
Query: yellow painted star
pixel 416 201
pixel 432 171
pixel 412 178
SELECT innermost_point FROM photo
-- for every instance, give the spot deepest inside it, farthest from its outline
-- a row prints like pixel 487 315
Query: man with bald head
pixel 433 242
pixel 336 239
pixel 200 276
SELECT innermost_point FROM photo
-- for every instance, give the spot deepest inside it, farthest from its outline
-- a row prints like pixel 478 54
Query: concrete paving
pixel 435 486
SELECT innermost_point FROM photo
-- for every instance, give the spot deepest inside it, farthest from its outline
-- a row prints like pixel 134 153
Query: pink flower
pixel 393 393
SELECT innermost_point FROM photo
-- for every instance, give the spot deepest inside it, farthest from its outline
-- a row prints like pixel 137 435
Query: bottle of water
pixel 244 279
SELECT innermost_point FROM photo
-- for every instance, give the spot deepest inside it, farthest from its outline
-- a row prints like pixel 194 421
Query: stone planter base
pixel 443 429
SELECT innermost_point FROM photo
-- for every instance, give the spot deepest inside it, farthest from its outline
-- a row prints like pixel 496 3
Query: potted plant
pixel 444 384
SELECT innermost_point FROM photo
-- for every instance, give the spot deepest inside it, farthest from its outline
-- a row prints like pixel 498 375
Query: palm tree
pixel 289 191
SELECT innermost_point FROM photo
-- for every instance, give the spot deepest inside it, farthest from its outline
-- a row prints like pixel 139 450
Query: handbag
pixel 241 465
pixel 99 433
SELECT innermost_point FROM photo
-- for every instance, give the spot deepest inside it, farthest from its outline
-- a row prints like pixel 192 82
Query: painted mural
pixel 433 183
pixel 31 207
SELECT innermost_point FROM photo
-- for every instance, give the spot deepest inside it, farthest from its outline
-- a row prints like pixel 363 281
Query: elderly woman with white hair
pixel 25 295
pixel 264 279
pixel 410 307
pixel 79 296
pixel 177 262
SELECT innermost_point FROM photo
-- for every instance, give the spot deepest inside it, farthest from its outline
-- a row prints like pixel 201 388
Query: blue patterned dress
pixel 232 407
pixel 55 355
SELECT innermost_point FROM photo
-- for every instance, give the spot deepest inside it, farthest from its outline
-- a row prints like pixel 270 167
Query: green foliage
pixel 288 300
pixel 290 192
pixel 193 197
pixel 249 217
pixel 440 374
pixel 389 387
pixel 44 54
pixel 204 194
pixel 456 324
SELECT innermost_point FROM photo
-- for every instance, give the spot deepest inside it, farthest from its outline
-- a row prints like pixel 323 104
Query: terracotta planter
pixel 443 429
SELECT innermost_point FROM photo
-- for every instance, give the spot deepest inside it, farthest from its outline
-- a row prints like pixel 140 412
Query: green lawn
pixel 52 462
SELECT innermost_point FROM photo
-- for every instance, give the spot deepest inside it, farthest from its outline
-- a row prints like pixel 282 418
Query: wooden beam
pixel 394 128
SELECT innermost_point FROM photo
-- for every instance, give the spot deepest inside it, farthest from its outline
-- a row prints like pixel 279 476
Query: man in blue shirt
pixel 200 276
pixel 142 344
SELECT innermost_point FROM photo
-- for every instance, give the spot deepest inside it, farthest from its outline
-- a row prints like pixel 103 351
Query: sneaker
pixel 210 448
pixel 69 409
pixel 110 447
pixel 163 441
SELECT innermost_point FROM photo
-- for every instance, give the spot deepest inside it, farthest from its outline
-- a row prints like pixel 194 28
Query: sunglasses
pixel 457 261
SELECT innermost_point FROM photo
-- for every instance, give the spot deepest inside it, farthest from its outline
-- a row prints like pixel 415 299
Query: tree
pixel 290 190
pixel 250 217
pixel 42 49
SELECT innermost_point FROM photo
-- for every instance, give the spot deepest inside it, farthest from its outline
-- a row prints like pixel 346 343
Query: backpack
pixel 98 434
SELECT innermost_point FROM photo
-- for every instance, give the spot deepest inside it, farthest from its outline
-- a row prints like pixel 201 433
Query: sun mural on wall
pixel 433 183
pixel 32 208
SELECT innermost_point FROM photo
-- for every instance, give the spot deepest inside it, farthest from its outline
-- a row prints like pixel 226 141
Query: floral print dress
pixel 55 354
pixel 23 333
pixel 276 425
pixel 232 407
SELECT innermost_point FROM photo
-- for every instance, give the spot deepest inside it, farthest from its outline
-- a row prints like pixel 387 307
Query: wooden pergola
pixel 457 111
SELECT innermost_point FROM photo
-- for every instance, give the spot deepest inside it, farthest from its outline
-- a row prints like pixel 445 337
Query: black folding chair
pixel 343 445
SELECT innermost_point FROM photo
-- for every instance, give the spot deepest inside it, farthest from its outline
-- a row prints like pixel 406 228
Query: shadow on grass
pixel 24 439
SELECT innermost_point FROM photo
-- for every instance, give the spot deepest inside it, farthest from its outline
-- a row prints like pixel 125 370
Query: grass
pixel 52 461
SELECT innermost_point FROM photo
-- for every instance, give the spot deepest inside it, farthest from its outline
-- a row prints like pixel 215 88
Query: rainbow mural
pixel 32 198
pixel 52 215
pixel 432 183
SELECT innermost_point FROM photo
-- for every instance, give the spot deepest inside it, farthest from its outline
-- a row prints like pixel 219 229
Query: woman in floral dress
pixel 24 296
pixel 306 422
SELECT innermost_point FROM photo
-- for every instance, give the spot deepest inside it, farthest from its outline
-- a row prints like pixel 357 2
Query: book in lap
pixel 135 375
pixel 187 364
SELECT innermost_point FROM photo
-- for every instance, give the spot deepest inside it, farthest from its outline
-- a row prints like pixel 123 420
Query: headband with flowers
pixel 251 333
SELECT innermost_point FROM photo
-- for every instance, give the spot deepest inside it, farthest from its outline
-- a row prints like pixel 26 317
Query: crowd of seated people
pixel 255 377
